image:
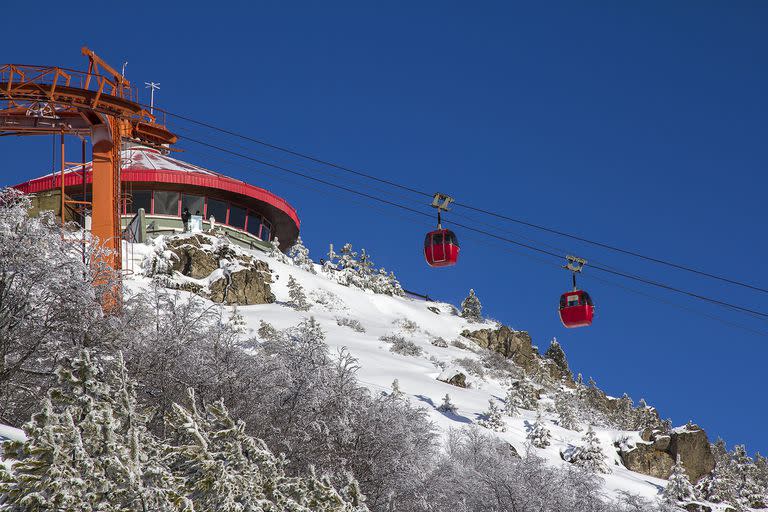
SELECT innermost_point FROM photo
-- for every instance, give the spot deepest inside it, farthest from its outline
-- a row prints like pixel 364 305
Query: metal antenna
pixel 153 87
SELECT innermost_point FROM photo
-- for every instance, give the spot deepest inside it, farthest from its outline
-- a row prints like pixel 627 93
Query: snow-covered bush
pixel 405 347
pixel 352 323
pixel 473 366
pixel 159 262
pixel 439 342
pixel 459 344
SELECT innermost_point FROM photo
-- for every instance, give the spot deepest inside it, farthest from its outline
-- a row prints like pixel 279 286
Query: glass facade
pixel 166 203
pixel 195 204
pixel 226 213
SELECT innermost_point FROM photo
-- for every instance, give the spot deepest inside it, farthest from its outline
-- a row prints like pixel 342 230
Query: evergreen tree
pixel 539 435
pixel 396 391
pixel 555 353
pixel 566 411
pixel 748 491
pixel 492 418
pixel 276 253
pixel 87 447
pixel 512 401
pixel 238 323
pixel 330 266
pixel 679 487
pixel 159 262
pixel 300 256
pixel 447 406
pixel 471 309
pixel 296 293
pixel 589 455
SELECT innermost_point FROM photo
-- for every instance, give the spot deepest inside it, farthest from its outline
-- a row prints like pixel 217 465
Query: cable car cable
pixel 464 205
pixel 487 233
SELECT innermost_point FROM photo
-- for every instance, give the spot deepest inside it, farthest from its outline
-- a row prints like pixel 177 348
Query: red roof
pixel 141 164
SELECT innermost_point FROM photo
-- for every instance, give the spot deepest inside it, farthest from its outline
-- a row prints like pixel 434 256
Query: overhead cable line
pixel 467 206
pixel 487 233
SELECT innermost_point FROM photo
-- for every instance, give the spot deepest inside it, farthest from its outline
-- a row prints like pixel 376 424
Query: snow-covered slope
pixel 421 322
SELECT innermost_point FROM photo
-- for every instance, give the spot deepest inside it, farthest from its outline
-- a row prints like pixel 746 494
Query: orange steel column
pixel 105 221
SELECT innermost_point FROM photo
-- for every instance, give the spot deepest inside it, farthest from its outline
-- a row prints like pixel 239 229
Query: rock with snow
pixel 453 376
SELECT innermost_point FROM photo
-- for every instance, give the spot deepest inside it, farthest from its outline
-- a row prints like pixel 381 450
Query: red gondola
pixel 576 307
pixel 441 248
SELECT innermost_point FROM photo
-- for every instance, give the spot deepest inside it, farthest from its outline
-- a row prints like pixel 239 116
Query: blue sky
pixel 641 124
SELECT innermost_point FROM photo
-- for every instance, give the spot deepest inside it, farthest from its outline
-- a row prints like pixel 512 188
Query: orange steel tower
pixel 99 104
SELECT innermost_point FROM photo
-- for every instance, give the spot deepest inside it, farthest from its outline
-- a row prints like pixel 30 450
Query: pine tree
pixel 555 353
pixel 566 411
pixel 492 418
pixel 539 435
pixel 748 492
pixel 396 393
pixel 471 309
pixel 589 455
pixel 300 256
pixel 238 323
pixel 512 401
pixel 159 262
pixel 88 446
pixel 679 487
pixel 296 293
pixel 330 265
pixel 447 407
pixel 276 253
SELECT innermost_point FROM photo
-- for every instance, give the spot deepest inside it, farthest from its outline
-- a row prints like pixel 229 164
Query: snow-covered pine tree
pixel 748 492
pixel 678 488
pixel 512 401
pixel 299 254
pixel 555 353
pixel 223 468
pixel 590 455
pixel 365 271
pixel 447 406
pixel 276 253
pixel 297 295
pixel 238 323
pixel 471 309
pixel 330 265
pixel 539 435
pixel 396 392
pixel 492 418
pixel 566 411
pixel 88 446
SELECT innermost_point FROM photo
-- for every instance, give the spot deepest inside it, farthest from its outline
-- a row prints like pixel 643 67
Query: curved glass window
pixel 166 203
pixel 195 204
pixel 217 209
pixel 140 199
pixel 254 224
pixel 236 216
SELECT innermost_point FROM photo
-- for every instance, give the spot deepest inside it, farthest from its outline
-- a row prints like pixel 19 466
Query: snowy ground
pixel 384 315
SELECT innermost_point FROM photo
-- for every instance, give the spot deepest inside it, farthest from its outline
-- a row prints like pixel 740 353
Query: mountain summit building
pixel 157 189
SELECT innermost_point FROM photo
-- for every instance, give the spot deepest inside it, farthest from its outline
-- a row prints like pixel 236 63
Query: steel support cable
pixel 468 206
pixel 609 282
pixel 487 233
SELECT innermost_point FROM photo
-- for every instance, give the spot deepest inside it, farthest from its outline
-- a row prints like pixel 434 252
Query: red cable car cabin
pixel 441 248
pixel 576 309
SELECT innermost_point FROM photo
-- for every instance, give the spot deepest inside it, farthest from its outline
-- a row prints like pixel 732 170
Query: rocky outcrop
pixel 692 445
pixel 233 278
pixel 656 454
pixel 517 346
pixel 247 286
pixel 453 377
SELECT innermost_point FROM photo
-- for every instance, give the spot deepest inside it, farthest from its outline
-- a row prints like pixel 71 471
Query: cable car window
pixel 237 217
pixel 166 203
pixel 573 300
pixel 587 299
pixel 217 209
pixel 428 240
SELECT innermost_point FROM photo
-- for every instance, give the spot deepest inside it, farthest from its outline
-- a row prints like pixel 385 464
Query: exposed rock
pixel 661 443
pixel 644 459
pixel 434 309
pixel 453 377
pixel 517 345
pixel 439 342
pixel 693 447
pixel 247 286
pixel 194 262
pixel 698 507
pixel 656 456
